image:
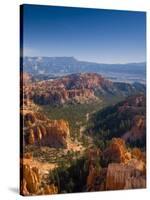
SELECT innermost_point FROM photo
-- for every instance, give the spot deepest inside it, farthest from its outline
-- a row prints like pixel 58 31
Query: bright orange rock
pixel 45 132
pixel 32 179
pixel 125 176
pixel 116 152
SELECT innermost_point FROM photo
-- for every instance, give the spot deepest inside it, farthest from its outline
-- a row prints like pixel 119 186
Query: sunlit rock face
pixel 31 180
pixel 125 176
pixel 116 152
pixel 75 88
pixel 39 130
pixel 124 168
pixel 31 184
pixel 96 174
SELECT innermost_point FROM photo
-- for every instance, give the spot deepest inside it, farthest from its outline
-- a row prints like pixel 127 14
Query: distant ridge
pixel 77 60
pixel 58 66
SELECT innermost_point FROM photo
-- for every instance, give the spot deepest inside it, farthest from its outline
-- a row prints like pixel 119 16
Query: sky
pixel 103 36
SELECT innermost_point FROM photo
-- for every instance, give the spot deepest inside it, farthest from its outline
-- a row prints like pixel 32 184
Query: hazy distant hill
pixel 55 66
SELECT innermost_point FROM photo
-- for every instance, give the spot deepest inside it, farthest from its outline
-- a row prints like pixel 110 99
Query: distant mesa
pixel 60 66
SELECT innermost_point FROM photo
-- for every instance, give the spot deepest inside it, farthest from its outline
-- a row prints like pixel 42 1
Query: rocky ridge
pixel 126 119
pixel 77 88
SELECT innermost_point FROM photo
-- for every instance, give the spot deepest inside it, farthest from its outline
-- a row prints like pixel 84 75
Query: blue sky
pixel 104 36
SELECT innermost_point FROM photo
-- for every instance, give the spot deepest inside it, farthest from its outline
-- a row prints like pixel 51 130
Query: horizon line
pixel 106 63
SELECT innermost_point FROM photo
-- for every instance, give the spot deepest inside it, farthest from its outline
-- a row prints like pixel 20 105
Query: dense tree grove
pixel 115 121
pixel 70 178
